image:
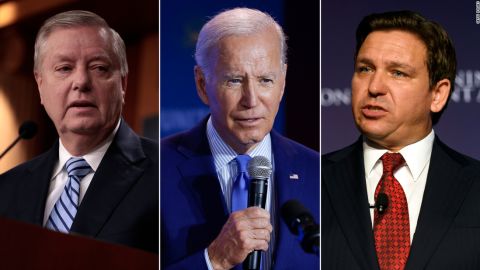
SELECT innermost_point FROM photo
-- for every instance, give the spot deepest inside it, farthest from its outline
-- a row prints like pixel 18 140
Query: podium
pixel 27 246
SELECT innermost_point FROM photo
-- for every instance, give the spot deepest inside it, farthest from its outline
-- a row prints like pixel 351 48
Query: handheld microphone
pixel 27 130
pixel 259 170
pixel 381 203
pixel 301 223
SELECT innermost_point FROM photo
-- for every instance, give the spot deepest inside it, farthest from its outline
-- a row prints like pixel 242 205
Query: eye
pixel 234 81
pixel 363 69
pixel 100 68
pixel 63 69
pixel 266 81
pixel 231 82
pixel 399 74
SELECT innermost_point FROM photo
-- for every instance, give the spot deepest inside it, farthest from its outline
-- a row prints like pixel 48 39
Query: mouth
pixel 248 121
pixel 81 104
pixel 373 111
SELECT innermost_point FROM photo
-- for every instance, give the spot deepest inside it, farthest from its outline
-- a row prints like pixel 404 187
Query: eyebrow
pixel 239 75
pixel 64 57
pixel 390 64
pixel 101 57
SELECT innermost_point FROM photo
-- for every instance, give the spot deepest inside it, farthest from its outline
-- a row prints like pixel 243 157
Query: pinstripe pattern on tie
pixel 65 209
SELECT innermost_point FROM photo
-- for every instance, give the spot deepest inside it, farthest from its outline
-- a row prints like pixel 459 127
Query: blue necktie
pixel 65 208
pixel 240 186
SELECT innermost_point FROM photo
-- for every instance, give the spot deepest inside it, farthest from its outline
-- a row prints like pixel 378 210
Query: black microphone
pixel 301 223
pixel 381 203
pixel 259 170
pixel 26 131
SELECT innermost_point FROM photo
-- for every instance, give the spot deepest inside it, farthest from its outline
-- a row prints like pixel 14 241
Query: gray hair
pixel 78 18
pixel 237 21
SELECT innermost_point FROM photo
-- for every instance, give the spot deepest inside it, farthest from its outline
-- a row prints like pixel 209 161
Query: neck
pixel 82 144
pixel 243 149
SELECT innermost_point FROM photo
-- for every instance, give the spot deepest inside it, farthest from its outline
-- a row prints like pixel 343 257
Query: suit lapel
pixel 345 184
pixel 290 173
pixel 200 179
pixel 31 204
pixel 448 183
pixel 286 165
pixel 122 165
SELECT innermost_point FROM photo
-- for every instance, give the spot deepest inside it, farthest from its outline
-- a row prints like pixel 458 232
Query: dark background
pixel 458 126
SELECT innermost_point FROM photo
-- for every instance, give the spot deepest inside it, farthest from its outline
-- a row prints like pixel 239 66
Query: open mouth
pixel 371 111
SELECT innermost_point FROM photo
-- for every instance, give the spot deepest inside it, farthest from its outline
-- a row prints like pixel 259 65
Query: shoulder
pixel 173 141
pixel 45 159
pixel 188 143
pixel 25 173
pixel 279 141
pixel 443 151
pixel 150 147
pixel 341 154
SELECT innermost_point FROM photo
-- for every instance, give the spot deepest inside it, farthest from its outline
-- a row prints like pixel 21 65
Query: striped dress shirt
pixel 226 168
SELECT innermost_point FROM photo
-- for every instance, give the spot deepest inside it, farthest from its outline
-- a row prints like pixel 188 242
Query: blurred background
pixel 180 23
pixel 458 126
pixel 20 20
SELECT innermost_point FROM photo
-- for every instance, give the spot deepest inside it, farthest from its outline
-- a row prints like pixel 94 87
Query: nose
pixel 249 94
pixel 81 80
pixel 377 85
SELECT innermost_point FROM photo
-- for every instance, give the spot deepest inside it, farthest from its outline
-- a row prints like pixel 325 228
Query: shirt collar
pixel 416 155
pixel 223 154
pixel 93 158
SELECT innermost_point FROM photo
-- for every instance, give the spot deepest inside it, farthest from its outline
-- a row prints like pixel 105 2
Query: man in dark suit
pixel 424 197
pixel 240 75
pixel 99 179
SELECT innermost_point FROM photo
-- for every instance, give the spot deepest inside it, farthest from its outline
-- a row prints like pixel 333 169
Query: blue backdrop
pixel 458 126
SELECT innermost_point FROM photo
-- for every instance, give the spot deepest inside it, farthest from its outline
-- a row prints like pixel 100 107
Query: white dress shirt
pixel 412 176
pixel 226 166
pixel 60 176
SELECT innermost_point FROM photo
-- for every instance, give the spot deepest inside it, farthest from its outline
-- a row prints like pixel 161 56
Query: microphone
pixel 259 170
pixel 381 203
pixel 26 131
pixel 301 223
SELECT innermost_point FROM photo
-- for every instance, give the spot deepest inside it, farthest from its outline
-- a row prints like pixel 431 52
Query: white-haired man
pixel 99 179
pixel 240 75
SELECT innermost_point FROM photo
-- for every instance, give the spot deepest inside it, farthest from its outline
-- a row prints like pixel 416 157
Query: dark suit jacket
pixel 194 210
pixel 120 205
pixel 447 235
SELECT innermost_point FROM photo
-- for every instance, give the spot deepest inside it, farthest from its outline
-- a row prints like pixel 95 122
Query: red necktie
pixel 391 228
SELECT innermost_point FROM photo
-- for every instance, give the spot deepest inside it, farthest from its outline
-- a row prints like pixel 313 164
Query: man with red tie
pixel 423 196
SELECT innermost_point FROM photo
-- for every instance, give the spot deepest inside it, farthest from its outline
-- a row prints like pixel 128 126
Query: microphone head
pixel 291 211
pixel 259 167
pixel 27 130
pixel 301 223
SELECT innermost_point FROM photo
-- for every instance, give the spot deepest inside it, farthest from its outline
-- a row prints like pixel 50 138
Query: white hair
pixel 237 21
pixel 78 18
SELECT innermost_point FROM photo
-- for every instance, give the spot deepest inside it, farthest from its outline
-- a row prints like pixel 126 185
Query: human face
pixel 391 96
pixel 244 88
pixel 79 81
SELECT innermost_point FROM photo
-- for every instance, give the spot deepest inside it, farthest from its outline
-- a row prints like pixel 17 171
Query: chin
pixel 250 139
pixel 83 127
